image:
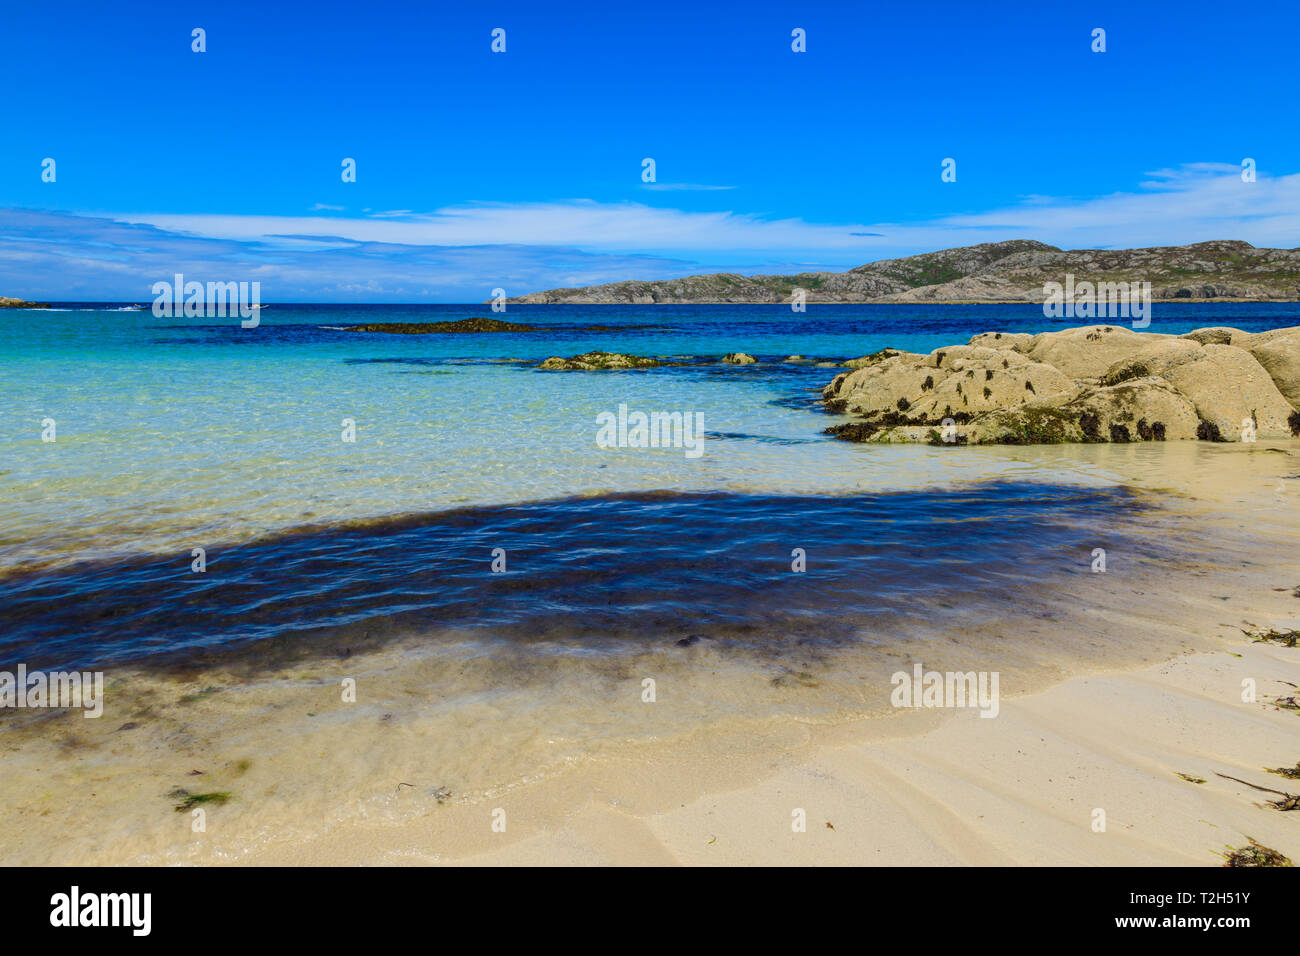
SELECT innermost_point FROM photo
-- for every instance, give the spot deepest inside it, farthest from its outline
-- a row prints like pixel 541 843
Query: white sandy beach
pixel 1112 684
pixel 915 790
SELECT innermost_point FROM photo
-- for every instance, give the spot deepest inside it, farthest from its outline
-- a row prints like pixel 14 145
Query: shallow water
pixel 181 434
pixel 175 435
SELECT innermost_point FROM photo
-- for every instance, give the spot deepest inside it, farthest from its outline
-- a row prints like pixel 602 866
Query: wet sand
pixel 915 791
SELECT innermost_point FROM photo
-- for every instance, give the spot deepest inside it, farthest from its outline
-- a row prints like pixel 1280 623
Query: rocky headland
pixel 1011 271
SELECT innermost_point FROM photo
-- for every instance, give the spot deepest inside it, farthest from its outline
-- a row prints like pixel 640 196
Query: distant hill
pixel 1012 271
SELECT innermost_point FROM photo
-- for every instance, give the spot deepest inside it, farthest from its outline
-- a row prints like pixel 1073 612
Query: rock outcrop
pixel 1280 357
pixel 1228 386
pixel 1090 384
pixel 1153 358
pixel 459 325
pixel 1086 352
pixel 597 361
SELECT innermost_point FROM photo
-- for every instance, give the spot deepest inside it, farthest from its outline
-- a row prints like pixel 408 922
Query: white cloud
pixel 60 257
pixel 1173 207
pixel 625 227
pixel 684 187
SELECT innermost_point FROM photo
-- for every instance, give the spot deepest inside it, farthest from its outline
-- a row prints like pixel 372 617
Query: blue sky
pixel 523 170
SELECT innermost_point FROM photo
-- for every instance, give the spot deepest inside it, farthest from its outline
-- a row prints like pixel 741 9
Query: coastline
pixel 1130 678
pixel 61 305
pixel 884 301
pixel 438 486
pixel 522 692
pixel 906 791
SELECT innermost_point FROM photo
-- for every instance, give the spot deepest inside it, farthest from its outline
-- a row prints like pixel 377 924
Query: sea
pixel 330 482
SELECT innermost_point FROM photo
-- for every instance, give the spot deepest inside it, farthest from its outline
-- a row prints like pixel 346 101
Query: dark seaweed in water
pixel 625 568
pixel 1208 431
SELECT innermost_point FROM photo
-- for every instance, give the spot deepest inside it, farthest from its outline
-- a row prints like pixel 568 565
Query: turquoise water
pixel 174 435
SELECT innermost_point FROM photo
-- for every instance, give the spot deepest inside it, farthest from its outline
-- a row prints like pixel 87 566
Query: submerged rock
pixel 1091 384
pixel 459 325
pixel 597 361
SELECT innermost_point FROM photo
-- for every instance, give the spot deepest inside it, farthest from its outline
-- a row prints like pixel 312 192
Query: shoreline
pixel 57 305
pixel 877 301
pixel 1118 694
pixel 1112 682
pixel 904 791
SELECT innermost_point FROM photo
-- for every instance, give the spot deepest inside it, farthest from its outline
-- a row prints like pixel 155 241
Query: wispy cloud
pixel 459 253
pixel 1192 203
pixel 684 187
pixel 624 226
pixel 58 256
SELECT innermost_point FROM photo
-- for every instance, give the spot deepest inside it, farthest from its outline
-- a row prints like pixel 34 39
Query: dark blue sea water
pixel 645 569
pixel 824 331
